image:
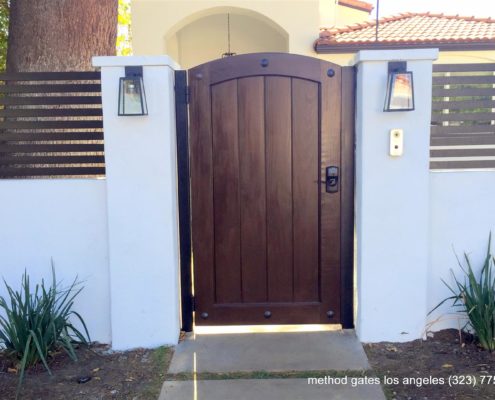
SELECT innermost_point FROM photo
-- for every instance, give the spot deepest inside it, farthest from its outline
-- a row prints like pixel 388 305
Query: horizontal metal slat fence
pixel 463 117
pixel 51 125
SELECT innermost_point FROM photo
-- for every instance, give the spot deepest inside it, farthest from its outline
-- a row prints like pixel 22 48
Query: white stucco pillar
pixel 140 155
pixel 392 200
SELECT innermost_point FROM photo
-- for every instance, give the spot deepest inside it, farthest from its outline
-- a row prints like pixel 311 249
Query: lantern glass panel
pixel 132 100
pixel 400 92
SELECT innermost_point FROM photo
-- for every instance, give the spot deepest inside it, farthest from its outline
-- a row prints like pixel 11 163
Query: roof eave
pixel 442 46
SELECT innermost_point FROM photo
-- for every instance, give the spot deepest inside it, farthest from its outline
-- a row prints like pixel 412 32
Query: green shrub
pixel 37 324
pixel 476 298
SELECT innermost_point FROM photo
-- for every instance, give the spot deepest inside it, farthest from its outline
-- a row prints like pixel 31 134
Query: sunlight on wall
pixel 206 39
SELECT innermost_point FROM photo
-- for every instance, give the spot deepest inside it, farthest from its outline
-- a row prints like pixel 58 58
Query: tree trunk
pixel 60 35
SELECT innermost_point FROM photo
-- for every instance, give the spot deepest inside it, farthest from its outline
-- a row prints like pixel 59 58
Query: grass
pixel 161 360
pixel 162 356
pixel 210 376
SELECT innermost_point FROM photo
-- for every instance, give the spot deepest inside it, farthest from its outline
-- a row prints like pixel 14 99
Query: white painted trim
pixel 395 55
pixel 126 61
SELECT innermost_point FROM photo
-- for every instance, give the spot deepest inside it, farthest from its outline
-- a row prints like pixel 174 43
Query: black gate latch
pixel 332 179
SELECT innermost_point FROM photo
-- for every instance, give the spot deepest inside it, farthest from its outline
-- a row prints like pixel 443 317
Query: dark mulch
pixel 442 356
pixel 132 375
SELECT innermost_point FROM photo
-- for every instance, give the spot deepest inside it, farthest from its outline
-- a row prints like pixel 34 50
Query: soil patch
pixel 440 368
pixel 132 375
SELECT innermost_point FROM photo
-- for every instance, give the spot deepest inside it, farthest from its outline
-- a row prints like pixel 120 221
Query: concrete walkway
pixel 267 389
pixel 272 353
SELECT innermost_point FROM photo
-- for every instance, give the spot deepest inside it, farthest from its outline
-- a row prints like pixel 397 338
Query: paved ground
pixel 275 353
pixel 267 389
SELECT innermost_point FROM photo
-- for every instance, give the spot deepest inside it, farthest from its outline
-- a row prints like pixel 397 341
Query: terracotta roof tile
pixel 358 4
pixel 411 28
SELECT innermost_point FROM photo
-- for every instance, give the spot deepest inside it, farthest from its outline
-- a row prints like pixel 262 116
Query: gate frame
pixel 183 188
pixel 347 224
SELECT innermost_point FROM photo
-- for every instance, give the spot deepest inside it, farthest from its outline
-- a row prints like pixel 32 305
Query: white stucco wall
pixel 212 31
pixel 462 213
pixel 392 203
pixel 119 234
pixel 155 21
pixel 141 175
pixel 410 220
pixel 64 220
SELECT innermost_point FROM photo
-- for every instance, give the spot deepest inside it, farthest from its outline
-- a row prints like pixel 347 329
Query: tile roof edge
pixel 443 45
pixel 330 32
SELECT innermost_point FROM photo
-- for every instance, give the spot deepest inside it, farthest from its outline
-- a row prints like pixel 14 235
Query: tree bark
pixel 60 35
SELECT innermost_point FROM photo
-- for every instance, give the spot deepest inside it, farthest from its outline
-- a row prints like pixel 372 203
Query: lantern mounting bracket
pixel 134 71
pixel 132 96
pixel 397 66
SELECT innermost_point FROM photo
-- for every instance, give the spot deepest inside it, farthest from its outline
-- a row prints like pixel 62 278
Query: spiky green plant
pixel 38 323
pixel 476 298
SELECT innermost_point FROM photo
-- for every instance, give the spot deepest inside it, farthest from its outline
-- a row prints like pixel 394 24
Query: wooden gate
pixel 271 158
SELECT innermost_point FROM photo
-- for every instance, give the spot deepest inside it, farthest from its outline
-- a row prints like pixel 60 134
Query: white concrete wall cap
pixel 395 55
pixel 127 61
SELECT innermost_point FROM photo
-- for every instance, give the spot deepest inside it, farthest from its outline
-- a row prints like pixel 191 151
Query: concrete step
pixel 272 352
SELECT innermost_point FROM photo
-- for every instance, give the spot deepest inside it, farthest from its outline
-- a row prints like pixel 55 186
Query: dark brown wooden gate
pixel 271 232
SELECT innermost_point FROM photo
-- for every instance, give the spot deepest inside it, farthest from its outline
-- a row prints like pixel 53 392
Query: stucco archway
pixel 203 36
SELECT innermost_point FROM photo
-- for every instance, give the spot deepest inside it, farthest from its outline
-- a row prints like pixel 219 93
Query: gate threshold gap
pixel 219 330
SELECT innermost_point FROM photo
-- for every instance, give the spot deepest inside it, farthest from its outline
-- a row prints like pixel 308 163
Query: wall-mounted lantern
pixel 132 97
pixel 400 88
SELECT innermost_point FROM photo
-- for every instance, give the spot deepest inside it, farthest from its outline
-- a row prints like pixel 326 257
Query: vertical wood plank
pixel 279 188
pixel 305 164
pixel 252 181
pixel 226 192
pixel 200 159
pixel 330 223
